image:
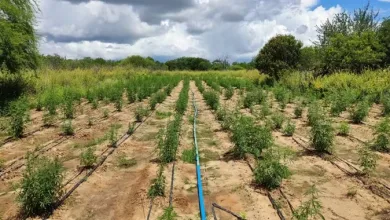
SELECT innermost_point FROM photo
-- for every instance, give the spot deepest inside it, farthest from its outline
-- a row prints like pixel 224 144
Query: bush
pixel 229 92
pixel 385 100
pixel 343 129
pixel 124 162
pixel 41 185
pixel 265 110
pixel 212 99
pixel 67 128
pixel 68 109
pixel 278 120
pixel 315 113
pixel 382 140
pixel 298 111
pixel 367 159
pixel 131 128
pixel 88 158
pixel 359 112
pixel 322 136
pixel 168 141
pixel 158 185
pixel 310 209
pixel 279 54
pixel 18 114
pixel 169 214
pixel 140 113
pixel 289 129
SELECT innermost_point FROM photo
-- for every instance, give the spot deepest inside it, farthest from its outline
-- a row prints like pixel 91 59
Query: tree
pixel 279 54
pixel 384 37
pixel 18 40
pixel 188 63
pixel 310 58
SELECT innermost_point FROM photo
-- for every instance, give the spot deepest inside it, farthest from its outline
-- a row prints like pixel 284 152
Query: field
pixel 302 148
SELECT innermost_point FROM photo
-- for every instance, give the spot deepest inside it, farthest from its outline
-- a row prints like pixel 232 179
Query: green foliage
pixel 343 129
pixel 124 162
pixel 41 185
pixel 310 58
pixel 168 140
pixel 282 95
pixel 367 160
pixel 18 39
pixel 298 111
pixel 254 97
pixel 265 109
pixel 311 209
pixel 189 155
pixel 382 139
pixel 279 54
pixel 212 99
pixel 169 214
pixel 88 157
pixel 249 138
pixel 315 113
pixel 2 164
pixel 322 136
pixel 67 127
pixel 181 103
pixel 384 38
pixel 18 114
pixel 188 63
pixel 289 129
pixel 113 134
pixel 158 185
pixel 131 128
pixel 105 113
pixel 278 119
pixel 141 62
pixel 385 100
pixel 359 111
pixel 140 113
pixel 229 92
pixel 68 109
pixel 157 98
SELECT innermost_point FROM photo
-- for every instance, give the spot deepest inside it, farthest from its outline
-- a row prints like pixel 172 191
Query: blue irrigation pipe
pixel 198 174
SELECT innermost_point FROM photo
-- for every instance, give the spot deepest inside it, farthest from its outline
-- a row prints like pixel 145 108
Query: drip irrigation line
pixel 215 205
pixel 288 201
pixel 150 208
pixel 202 208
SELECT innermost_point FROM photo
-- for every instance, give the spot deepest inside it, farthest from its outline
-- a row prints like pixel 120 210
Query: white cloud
pixel 206 28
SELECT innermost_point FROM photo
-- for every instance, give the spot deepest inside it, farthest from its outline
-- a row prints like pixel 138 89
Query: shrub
pixel 95 104
pixel 189 155
pixel 169 214
pixel 168 141
pixel 118 104
pixel 18 114
pixel 298 111
pixel 131 128
pixel 67 128
pixel 212 99
pixel 229 92
pixel 343 129
pixel 48 119
pixel 367 159
pixel 254 97
pixel 140 113
pixel 41 185
pixel 124 162
pixel 113 135
pixel 282 95
pixel 249 138
pixel 289 129
pixel 359 112
pixel 265 110
pixel 315 113
pixel 322 136
pixel 385 100
pixel 310 209
pixel 158 185
pixel 270 173
pixel 68 109
pixel 88 158
pixel 278 120
pixel 382 140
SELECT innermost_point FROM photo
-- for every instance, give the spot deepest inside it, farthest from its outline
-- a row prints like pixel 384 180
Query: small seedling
pixel 289 129
pixel 169 214
pixel 311 209
pixel 67 128
pixel 48 119
pixel 88 158
pixel 343 129
pixel 140 113
pixel 158 185
pixel 118 104
pixel 95 104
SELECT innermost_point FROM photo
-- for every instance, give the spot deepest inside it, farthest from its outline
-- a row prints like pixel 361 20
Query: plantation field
pixel 116 144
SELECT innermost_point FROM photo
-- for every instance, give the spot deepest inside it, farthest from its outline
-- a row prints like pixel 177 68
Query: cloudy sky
pixel 166 29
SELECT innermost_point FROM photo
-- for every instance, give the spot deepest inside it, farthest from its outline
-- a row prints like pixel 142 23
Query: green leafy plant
pixel 140 113
pixel 278 120
pixel 169 214
pixel 41 185
pixel 67 127
pixel 131 128
pixel 105 113
pixel 168 141
pixel 124 162
pixel 68 108
pixel 18 114
pixel 289 129
pixel 113 135
pixel 48 119
pixel 229 92
pixel 343 129
pixel 368 160
pixel 157 187
pixel 359 111
pixel 118 104
pixel 385 100
pixel 212 99
pixel 315 113
pixel 189 155
pixel 88 158
pixel 322 136
pixel 311 209
pixel 298 111
pixel 95 104
pixel 382 139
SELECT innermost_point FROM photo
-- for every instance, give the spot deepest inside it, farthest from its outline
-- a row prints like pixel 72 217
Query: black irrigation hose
pixel 150 209
pixel 215 205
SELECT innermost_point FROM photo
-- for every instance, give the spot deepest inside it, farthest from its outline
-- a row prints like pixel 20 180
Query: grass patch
pixel 162 115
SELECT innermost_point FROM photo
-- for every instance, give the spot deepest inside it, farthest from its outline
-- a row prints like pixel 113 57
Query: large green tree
pixel 384 37
pixel 18 40
pixel 279 54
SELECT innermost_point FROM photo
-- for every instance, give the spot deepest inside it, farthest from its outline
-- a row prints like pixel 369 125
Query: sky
pixel 167 29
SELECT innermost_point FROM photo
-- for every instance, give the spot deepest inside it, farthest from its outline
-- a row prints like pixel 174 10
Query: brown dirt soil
pixel 121 193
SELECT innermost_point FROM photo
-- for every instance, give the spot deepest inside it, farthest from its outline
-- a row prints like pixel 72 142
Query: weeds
pixel 311 209
pixel 41 185
pixel 88 158
pixel 212 99
pixel 189 155
pixel 124 162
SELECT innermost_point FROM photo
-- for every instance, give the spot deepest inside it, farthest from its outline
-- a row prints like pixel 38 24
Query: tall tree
pixel 18 40
pixel 384 37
